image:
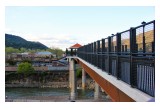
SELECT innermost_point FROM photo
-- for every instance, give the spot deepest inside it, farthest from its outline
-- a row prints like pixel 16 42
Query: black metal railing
pixel 128 55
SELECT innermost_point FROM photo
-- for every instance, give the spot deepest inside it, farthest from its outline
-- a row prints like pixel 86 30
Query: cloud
pixel 62 41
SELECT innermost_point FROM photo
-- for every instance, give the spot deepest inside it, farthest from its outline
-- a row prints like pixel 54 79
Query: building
pixel 73 49
pixel 45 54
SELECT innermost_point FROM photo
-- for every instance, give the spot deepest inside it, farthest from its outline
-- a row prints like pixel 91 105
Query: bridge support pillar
pixel 102 90
pixel 72 79
pixel 83 79
pixel 96 91
pixel 70 75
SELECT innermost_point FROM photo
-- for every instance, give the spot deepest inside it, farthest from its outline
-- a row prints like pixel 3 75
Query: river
pixel 38 93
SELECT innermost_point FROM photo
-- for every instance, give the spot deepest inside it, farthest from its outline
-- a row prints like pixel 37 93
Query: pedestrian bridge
pixel 123 64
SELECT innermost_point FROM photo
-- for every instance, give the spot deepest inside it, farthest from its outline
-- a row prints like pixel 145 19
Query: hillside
pixel 18 42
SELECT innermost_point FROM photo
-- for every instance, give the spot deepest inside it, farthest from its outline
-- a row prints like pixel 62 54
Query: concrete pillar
pixel 96 91
pixel 83 79
pixel 70 75
pixel 102 90
pixel 72 79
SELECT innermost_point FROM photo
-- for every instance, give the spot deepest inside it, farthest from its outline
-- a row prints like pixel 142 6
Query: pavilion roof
pixel 75 46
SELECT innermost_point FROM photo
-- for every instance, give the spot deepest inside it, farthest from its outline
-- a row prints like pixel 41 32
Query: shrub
pixel 79 73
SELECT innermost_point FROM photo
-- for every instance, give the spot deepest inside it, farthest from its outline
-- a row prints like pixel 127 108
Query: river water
pixel 22 93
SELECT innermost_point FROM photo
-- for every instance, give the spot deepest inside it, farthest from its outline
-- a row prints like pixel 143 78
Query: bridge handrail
pixel 137 45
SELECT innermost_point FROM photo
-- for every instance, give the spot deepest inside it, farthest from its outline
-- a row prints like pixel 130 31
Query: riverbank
pixel 53 84
pixel 39 85
pixel 51 95
pixel 56 99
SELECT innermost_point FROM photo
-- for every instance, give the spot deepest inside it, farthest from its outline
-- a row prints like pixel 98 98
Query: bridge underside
pixel 116 94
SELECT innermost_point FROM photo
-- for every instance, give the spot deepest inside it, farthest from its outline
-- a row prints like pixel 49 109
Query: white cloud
pixel 61 41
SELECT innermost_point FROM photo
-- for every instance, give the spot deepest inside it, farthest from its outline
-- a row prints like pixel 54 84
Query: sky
pixel 63 26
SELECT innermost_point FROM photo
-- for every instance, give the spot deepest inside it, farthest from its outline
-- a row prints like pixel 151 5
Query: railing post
pixel 95 56
pixel 66 51
pixel 133 64
pixel 92 49
pixel 98 50
pixel 103 54
pixel 144 44
pixel 88 51
pixel 71 52
pixel 85 51
pixel 109 50
pixel 118 65
pixel 106 56
pixel 153 43
pixel 79 51
pixel 75 52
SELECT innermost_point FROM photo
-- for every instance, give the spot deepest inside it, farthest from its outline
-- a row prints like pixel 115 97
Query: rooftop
pixel 75 46
pixel 44 53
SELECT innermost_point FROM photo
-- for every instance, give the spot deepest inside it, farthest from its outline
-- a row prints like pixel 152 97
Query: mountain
pixel 18 42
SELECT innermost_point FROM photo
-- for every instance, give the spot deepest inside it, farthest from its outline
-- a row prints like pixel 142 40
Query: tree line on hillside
pixel 18 42
pixel 57 51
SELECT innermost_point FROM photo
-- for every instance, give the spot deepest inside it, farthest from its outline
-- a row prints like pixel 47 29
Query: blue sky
pixel 63 26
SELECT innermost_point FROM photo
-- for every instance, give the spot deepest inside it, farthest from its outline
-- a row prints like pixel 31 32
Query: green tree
pixel 55 50
pixel 25 68
pixel 50 50
pixel 10 50
pixel 23 50
pixel 79 73
pixel 32 51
